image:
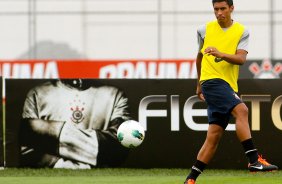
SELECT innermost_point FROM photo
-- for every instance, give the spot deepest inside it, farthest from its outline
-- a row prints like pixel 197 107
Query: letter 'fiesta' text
pixel 190 112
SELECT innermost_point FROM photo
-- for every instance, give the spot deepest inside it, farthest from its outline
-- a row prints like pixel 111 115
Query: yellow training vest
pixel 226 42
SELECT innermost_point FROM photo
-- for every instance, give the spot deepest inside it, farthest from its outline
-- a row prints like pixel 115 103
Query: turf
pixel 136 176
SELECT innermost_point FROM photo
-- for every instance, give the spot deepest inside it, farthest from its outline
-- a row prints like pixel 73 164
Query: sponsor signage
pixel 134 69
pixel 38 69
pixel 175 121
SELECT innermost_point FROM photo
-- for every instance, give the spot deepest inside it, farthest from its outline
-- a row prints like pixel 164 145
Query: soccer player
pixel 223 47
pixel 73 124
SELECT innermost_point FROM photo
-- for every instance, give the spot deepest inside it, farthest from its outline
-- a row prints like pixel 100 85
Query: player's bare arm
pixel 199 64
pixel 239 58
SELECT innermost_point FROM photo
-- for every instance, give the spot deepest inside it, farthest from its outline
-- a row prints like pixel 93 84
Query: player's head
pixel 229 2
pixel 223 10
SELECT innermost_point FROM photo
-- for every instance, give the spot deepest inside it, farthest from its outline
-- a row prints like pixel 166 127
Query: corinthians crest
pixel 266 70
pixel 77 111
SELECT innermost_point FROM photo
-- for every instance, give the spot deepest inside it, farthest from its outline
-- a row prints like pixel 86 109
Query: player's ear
pixel 231 8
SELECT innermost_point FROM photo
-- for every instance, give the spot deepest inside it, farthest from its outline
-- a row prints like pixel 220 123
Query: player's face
pixel 223 12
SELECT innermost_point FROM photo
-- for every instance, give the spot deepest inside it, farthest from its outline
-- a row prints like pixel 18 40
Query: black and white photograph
pixel 140 91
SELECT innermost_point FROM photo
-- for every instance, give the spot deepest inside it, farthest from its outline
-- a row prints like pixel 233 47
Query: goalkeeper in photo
pixel 73 124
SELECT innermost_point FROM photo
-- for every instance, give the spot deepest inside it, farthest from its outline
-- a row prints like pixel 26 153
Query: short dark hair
pixel 229 2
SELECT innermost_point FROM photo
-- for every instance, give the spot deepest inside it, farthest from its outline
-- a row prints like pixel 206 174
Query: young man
pixel 72 124
pixel 222 48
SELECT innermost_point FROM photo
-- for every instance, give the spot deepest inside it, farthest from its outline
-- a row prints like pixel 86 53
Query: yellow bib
pixel 226 42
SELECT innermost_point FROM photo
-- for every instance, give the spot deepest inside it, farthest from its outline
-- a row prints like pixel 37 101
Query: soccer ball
pixel 130 134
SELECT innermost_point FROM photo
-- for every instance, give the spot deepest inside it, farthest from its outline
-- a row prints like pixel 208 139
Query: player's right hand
pixel 199 92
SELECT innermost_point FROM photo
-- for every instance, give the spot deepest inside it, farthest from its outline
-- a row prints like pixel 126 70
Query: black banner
pixel 175 121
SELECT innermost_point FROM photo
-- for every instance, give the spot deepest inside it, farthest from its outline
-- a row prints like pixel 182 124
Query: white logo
pixel 236 96
pixel 266 70
pixel 260 167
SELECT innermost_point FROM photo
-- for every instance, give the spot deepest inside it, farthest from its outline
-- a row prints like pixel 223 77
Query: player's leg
pixel 240 112
pixel 256 163
pixel 209 147
pixel 216 97
pixel 206 153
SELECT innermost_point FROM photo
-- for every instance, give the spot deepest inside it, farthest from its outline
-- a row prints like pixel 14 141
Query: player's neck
pixel 226 24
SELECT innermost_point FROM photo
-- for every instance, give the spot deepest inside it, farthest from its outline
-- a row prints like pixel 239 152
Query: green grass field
pixel 133 176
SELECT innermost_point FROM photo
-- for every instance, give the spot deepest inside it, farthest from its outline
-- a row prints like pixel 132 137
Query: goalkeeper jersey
pixel 91 109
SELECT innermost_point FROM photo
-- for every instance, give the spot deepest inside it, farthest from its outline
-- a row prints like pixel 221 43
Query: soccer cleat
pixel 261 165
pixel 190 181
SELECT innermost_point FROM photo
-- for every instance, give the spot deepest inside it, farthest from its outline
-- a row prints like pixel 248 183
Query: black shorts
pixel 221 99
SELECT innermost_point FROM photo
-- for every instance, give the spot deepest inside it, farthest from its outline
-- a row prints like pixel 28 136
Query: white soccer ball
pixel 130 134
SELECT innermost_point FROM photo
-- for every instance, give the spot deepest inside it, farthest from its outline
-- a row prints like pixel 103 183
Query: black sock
pixel 196 170
pixel 250 150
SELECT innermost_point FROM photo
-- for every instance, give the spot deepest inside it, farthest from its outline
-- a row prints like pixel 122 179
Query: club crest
pixel 266 70
pixel 77 111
